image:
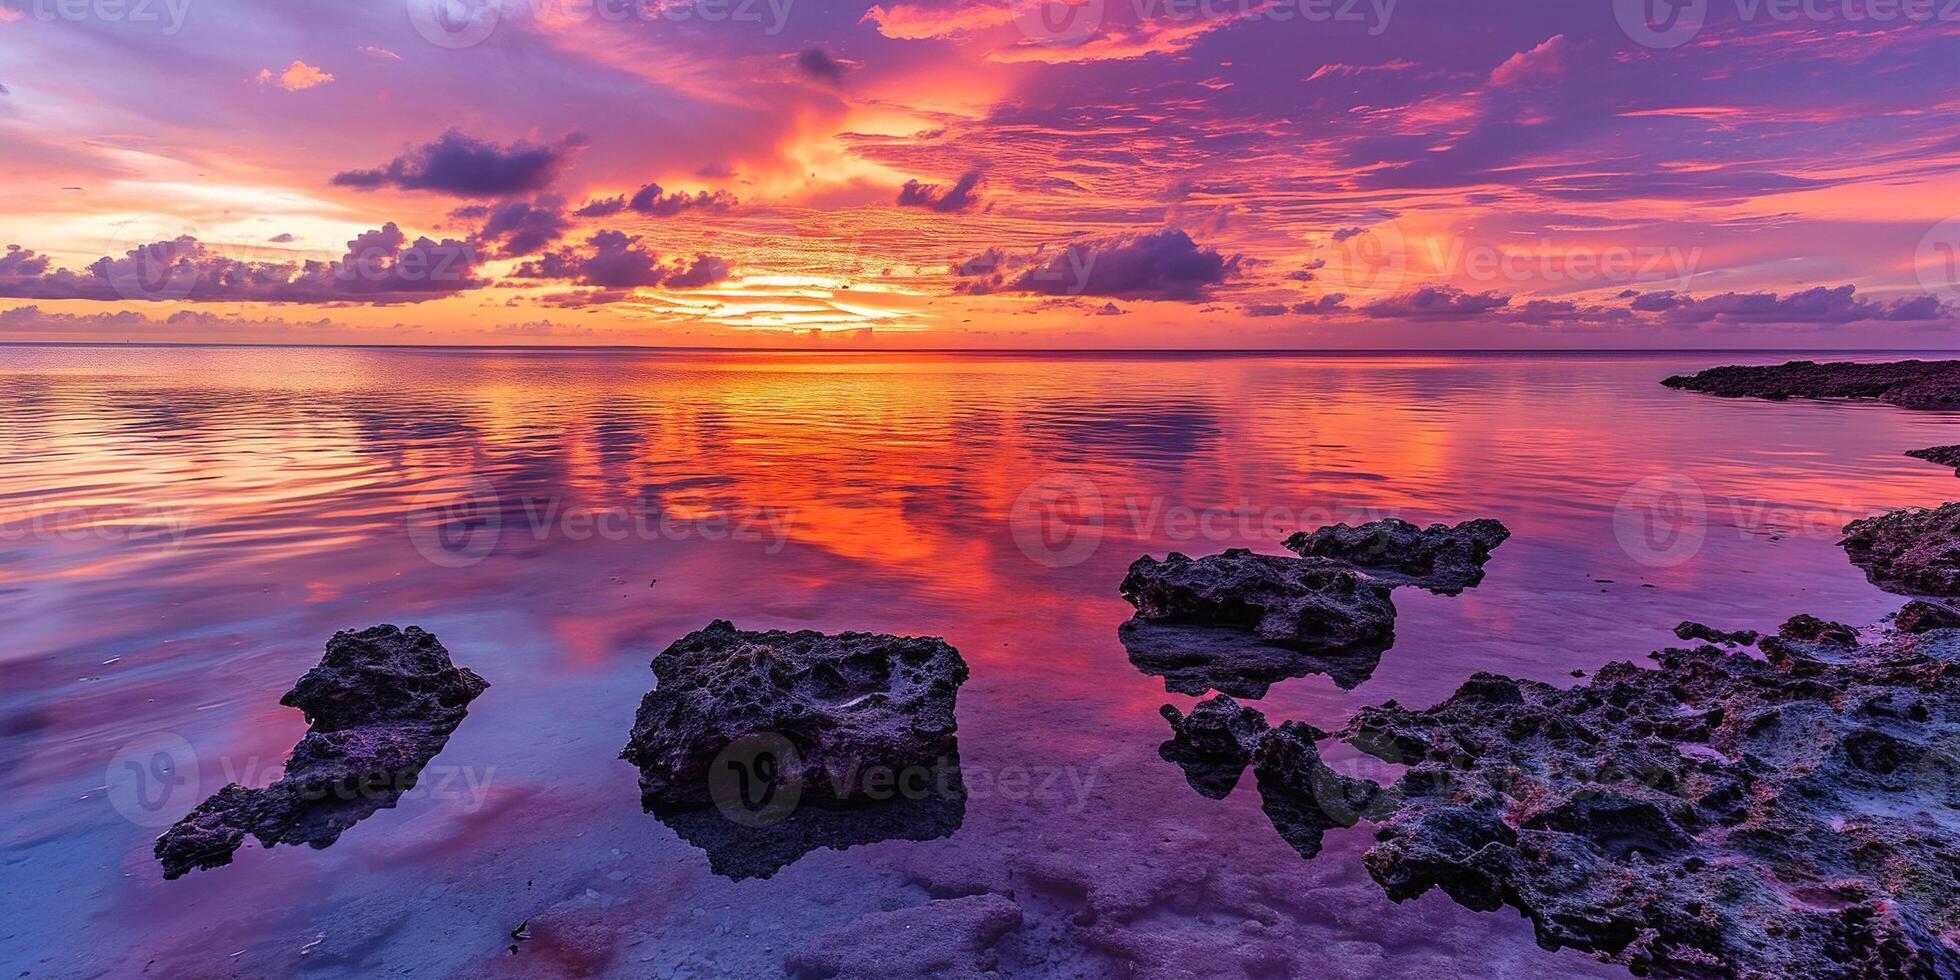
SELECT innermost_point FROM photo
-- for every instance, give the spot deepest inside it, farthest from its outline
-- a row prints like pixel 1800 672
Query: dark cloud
pixel 816 63
pixel 1343 234
pixel 283 238
pixel 1266 309
pixel 517 228
pixel 1816 305
pixel 380 266
pixel 1156 265
pixel 1434 303
pixel 960 197
pixel 464 167
pixel 1330 303
pixel 614 260
pixel 653 201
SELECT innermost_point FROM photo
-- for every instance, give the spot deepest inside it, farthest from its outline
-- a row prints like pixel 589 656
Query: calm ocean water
pixel 181 530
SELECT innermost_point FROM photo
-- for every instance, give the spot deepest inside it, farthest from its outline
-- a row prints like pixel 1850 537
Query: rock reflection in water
pixel 744 845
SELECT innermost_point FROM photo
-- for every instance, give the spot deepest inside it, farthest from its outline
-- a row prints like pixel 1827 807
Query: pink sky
pixel 1016 173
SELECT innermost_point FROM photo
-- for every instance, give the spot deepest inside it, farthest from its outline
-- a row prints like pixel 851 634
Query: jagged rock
pixel 1908 384
pixel 1438 558
pixel 1213 744
pixel 1237 622
pixel 957 938
pixel 760 747
pixel 1314 605
pixel 1805 628
pixel 1939 456
pixel 381 703
pixel 1915 551
pixel 1696 631
pixel 1720 816
pixel 850 706
pixel 1921 616
pixel 1197 659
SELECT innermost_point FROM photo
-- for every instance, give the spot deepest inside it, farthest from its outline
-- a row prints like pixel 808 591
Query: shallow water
pixel 181 529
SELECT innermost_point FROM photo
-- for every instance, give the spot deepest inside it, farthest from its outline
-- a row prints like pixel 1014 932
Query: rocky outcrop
pixel 1923 616
pixel 1314 605
pixel 1908 384
pixel 1719 816
pixel 1438 558
pixel 1913 552
pixel 1939 456
pixel 761 746
pixel 1213 744
pixel 381 703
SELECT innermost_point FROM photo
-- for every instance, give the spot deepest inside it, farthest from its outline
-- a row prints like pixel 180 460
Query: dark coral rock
pixel 1301 795
pixel 1289 601
pixel 382 703
pixel 1708 634
pixel 1213 744
pixel 1908 384
pixel 1939 456
pixel 1805 628
pixel 1921 616
pixel 1439 558
pixel 1720 816
pixel 1910 552
pixel 849 705
pixel 760 747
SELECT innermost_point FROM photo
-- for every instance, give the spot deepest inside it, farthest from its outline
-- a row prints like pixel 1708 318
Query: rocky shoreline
pixel 1907 384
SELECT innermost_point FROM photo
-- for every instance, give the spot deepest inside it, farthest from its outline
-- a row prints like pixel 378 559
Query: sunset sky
pixel 982 173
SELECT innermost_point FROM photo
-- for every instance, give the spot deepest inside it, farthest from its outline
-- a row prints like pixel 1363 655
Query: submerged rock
pixel 1314 605
pixel 1915 551
pixel 382 703
pixel 1908 384
pixel 1438 558
pixel 1720 816
pixel 1302 796
pixel 1237 622
pixel 1195 660
pixel 1696 631
pixel 1939 456
pixel 761 746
